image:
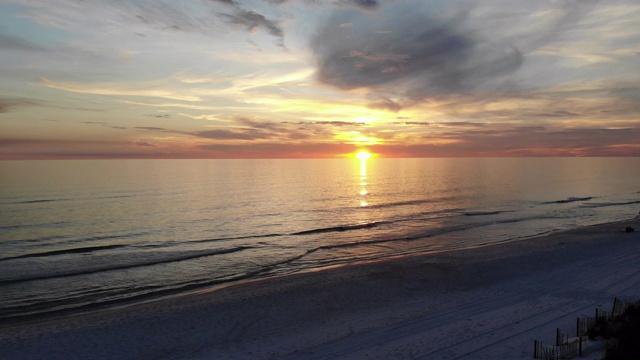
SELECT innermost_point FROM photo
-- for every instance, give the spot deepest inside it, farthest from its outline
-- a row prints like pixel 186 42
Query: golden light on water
pixel 363 156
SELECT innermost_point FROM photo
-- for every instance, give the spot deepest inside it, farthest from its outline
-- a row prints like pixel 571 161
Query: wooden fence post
pixel 580 348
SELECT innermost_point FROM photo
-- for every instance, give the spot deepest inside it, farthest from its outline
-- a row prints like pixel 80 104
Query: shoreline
pixel 340 311
pixel 197 290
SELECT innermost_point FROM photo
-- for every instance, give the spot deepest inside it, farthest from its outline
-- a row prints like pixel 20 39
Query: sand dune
pixel 484 303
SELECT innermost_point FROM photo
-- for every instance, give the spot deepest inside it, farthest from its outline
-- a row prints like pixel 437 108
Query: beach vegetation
pixel 621 334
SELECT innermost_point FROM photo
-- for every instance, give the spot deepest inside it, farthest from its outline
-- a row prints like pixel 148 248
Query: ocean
pixel 85 235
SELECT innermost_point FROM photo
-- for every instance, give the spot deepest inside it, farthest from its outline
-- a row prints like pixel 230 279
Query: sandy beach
pixel 488 302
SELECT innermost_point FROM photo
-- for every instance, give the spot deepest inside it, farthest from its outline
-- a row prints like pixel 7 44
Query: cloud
pixel 504 140
pixel 331 123
pixel 9 42
pixel 153 128
pixel 226 2
pixel 105 124
pixel 278 150
pixel 385 104
pixel 159 116
pixel 221 134
pixel 557 113
pixel 361 4
pixel 9 103
pixel 253 21
pixel 7 142
pixel 255 124
pixel 412 123
pixel 434 50
pixel 250 129
pixel 460 123
pixel 144 17
pixel 117 90
pixel 144 143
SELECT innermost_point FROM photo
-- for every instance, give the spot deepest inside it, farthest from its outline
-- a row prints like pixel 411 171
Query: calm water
pixel 85 234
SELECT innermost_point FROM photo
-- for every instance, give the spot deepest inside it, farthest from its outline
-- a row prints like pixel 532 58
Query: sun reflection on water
pixel 363 156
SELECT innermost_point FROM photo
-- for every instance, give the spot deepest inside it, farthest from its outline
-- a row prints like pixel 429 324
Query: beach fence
pixel 571 348
pixel 585 323
pixel 568 350
pixel 567 347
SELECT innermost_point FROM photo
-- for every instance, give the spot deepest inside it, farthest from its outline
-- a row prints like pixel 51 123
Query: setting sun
pixel 363 155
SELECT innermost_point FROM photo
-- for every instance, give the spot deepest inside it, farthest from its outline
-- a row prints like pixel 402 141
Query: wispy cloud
pixel 144 90
pixel 385 103
pixel 253 21
pixel 7 104
pixel 10 42
pixel 361 4
pixel 221 134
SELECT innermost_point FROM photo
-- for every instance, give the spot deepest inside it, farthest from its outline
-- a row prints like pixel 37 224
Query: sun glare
pixel 363 155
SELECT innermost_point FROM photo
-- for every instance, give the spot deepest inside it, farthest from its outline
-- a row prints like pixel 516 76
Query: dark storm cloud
pixel 419 51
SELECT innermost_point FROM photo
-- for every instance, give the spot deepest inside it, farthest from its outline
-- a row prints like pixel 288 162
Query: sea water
pixel 81 235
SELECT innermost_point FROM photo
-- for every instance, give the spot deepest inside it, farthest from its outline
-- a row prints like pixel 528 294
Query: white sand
pixel 484 303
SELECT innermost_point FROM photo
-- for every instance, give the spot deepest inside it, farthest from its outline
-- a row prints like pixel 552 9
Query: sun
pixel 363 155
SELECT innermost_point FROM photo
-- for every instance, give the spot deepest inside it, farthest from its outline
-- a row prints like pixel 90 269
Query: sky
pixel 94 79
